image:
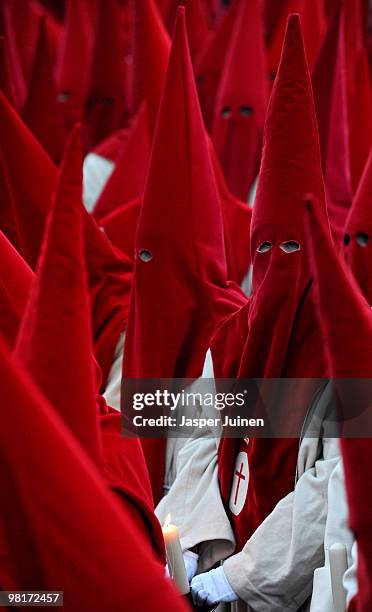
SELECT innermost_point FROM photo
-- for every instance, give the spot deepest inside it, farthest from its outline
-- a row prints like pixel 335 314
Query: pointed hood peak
pixel 357 239
pixel 344 314
pixel 55 339
pixel 180 143
pixel 289 166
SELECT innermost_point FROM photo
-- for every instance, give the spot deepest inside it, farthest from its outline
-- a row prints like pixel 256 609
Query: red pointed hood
pixel 109 271
pixel 241 101
pixel 345 315
pixel 346 321
pixel 274 335
pixel 41 111
pixel 6 79
pixel 31 190
pixel 209 63
pixel 281 278
pixel 150 58
pixel 54 341
pixel 180 208
pixel 55 503
pixel 330 94
pixel 106 100
pixel 75 59
pixel 357 245
pixel 15 282
pixel 289 166
pixel 180 267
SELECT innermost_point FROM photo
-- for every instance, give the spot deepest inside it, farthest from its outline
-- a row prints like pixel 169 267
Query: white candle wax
pixel 176 564
pixel 338 566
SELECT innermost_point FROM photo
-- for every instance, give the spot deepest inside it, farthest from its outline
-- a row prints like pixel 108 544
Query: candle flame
pixel 167 521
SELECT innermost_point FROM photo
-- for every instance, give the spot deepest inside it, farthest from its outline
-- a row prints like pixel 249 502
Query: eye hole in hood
pixel 264 247
pixel 347 239
pixel 362 239
pixel 290 246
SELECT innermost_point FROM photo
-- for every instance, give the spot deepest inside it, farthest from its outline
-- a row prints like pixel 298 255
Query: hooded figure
pixel 179 293
pixel 240 108
pixel 55 345
pixel 27 203
pixel 281 280
pixel 273 335
pixel 57 514
pixel 357 243
pixel 346 321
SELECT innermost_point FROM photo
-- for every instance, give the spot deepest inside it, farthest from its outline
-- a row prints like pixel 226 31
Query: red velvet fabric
pixel 346 321
pixel 30 195
pixel 15 282
pixel 75 59
pixel 121 226
pixel 275 333
pixel 41 111
pixel 358 255
pixel 151 46
pixel 55 339
pixel 124 469
pixel 20 17
pixel 241 100
pixel 237 223
pixel 6 77
pixel 313 25
pixel 354 45
pixel 330 93
pixel 58 515
pixel 106 100
pixel 360 118
pixel 127 180
pixel 210 60
pixel 180 293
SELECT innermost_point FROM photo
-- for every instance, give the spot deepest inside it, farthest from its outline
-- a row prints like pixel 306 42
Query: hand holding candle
pixel 176 564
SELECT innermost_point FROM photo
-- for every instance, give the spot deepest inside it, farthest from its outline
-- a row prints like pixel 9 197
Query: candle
pixel 338 566
pixel 176 564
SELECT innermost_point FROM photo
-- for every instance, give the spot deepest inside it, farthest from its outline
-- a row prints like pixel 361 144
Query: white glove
pixel 191 564
pixel 211 588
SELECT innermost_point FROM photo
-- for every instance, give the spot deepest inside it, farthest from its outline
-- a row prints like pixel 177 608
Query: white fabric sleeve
pixel 112 393
pixel 194 500
pixel 274 571
pixel 195 505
